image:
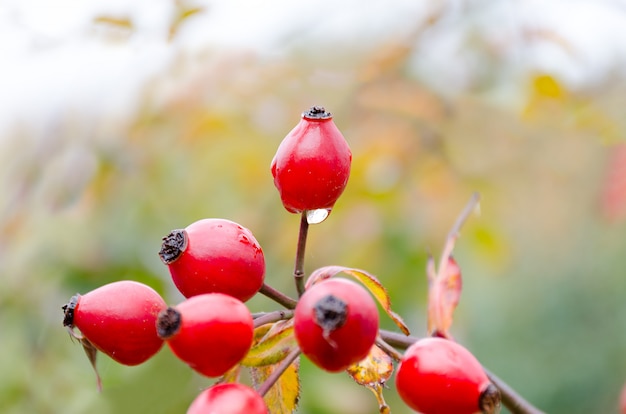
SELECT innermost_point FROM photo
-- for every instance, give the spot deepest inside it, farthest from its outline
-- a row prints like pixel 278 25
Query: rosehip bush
pixel 217 265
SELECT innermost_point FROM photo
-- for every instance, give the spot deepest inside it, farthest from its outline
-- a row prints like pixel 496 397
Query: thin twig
pixel 275 375
pixel 274 316
pixel 278 296
pixel 453 234
pixel 388 349
pixel 298 271
pixel 510 398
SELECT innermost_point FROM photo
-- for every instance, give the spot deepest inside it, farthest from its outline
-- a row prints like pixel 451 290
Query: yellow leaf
pixel 284 395
pixel 373 372
pixel 277 342
pixel 369 281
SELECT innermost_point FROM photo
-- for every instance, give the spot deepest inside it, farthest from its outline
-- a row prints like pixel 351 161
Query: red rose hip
pixel 312 164
pixel 210 332
pixel 336 323
pixel 214 256
pixel 439 376
pixel 119 320
pixel 230 398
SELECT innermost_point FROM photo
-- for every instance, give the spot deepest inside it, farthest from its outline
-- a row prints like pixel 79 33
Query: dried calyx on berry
pixel 168 322
pixel 68 311
pixel 174 244
pixel 330 314
pixel 317 112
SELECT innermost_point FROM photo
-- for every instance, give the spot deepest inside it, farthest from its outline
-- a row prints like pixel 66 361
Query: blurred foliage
pixel 87 202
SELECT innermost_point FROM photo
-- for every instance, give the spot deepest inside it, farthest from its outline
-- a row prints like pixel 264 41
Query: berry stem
pixel 278 296
pixel 274 316
pixel 510 398
pixel 298 272
pixel 275 375
pixel 388 349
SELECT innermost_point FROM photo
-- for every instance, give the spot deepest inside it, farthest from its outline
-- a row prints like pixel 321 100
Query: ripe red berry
pixel 312 164
pixel 210 332
pixel 118 319
pixel 439 376
pixel 622 401
pixel 336 323
pixel 229 398
pixel 214 256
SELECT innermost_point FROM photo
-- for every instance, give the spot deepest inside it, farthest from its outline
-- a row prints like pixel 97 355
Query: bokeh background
pixel 120 121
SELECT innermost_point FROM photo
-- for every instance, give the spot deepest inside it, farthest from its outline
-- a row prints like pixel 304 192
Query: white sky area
pixel 53 58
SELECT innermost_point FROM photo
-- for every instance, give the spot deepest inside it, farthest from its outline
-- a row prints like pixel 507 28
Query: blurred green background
pixel 89 189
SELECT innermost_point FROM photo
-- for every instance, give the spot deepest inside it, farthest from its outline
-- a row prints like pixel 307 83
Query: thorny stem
pixel 274 316
pixel 298 271
pixel 275 375
pixel 510 398
pixel 278 296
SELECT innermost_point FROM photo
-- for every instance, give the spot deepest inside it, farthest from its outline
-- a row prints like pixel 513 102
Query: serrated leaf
pixel 368 280
pixel 277 342
pixel 443 297
pixel 284 395
pixel 373 372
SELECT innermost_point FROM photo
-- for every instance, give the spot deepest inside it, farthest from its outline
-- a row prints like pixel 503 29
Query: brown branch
pixel 278 296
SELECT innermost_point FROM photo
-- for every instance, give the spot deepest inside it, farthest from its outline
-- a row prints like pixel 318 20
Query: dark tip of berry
pixel 174 244
pixel 68 311
pixel 330 313
pixel 490 400
pixel 168 323
pixel 317 112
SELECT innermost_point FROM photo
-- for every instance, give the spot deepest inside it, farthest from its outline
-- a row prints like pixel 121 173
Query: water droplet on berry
pixel 317 216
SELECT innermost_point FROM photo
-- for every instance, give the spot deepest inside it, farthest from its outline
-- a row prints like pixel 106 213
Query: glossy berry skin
pixel 439 376
pixel 214 256
pixel 622 401
pixel 119 320
pixel 312 164
pixel 336 348
pixel 210 332
pixel 228 398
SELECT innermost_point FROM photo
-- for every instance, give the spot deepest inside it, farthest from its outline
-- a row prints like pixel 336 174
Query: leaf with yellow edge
pixel 284 395
pixel 275 344
pixel 368 280
pixel 373 372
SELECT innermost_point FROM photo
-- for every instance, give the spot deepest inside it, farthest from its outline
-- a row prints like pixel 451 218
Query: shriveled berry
pixel 336 323
pixel 214 256
pixel 312 164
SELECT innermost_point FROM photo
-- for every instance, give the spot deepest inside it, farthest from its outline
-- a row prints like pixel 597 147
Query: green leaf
pixel 275 344
pixel 284 395
pixel 368 280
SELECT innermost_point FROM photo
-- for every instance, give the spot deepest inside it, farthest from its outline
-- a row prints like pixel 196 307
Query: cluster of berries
pixel 218 265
